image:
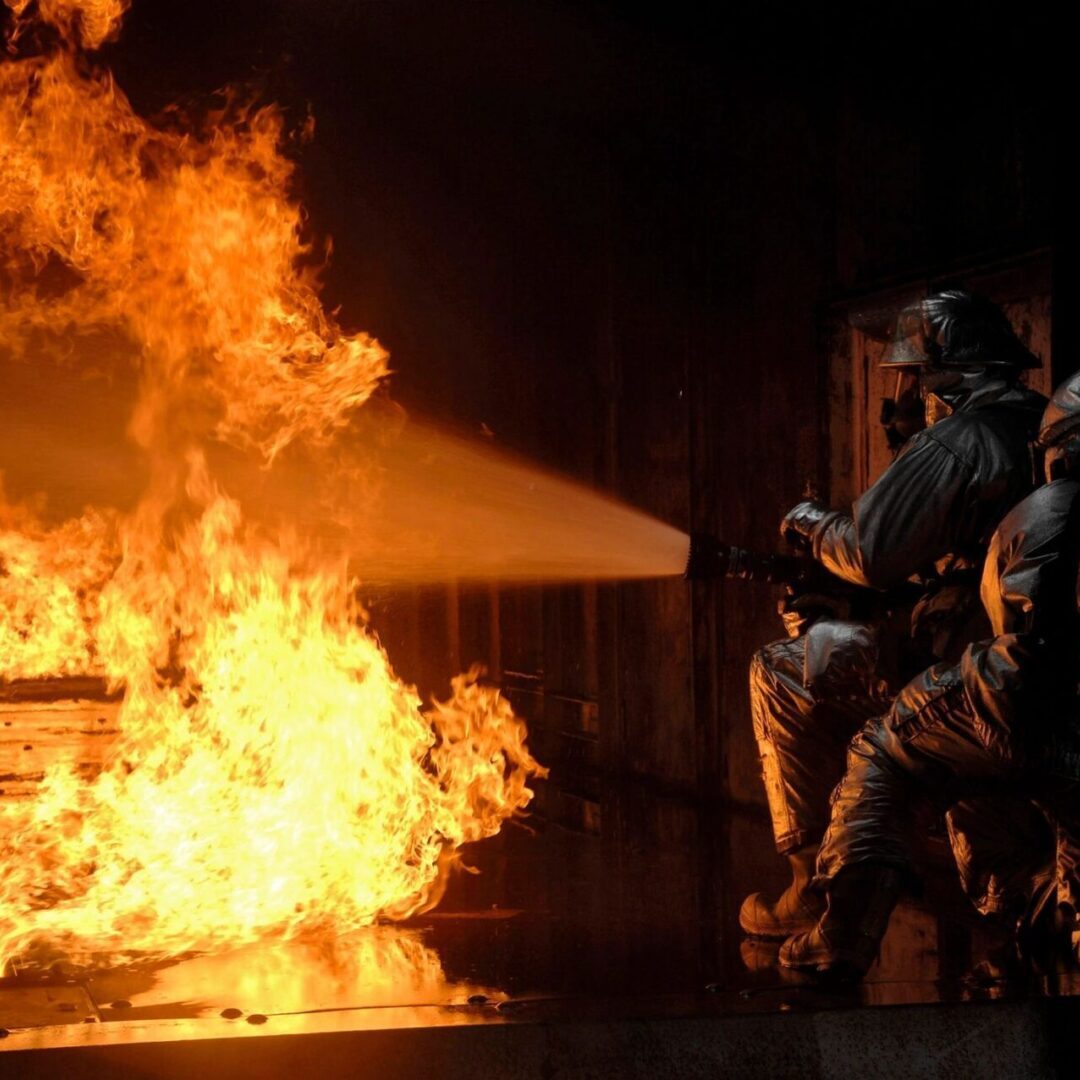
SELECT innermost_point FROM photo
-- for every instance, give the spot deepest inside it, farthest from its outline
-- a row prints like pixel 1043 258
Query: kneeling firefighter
pixel 929 516
pixel 1004 721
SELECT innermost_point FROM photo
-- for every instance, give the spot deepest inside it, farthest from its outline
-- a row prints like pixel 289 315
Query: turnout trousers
pixel 808 696
pixel 933 747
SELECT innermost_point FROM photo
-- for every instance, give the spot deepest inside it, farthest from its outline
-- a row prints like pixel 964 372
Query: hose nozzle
pixel 708 558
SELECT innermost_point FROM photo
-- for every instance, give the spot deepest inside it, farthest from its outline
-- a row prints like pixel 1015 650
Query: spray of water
pixel 417 503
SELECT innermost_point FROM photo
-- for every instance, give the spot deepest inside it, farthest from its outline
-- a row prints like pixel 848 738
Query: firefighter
pixel 1003 721
pixel 929 515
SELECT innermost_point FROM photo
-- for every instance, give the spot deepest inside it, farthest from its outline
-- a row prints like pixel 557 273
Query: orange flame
pixel 272 776
pixel 50 583
pixel 89 23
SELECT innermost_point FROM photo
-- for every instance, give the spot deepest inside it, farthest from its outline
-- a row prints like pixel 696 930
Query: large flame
pixel 272 774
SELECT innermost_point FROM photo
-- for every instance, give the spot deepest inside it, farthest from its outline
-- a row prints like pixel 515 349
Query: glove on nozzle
pixel 803 522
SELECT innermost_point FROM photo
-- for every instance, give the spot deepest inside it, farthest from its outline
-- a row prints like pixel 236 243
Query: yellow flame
pixel 272 776
pixel 50 582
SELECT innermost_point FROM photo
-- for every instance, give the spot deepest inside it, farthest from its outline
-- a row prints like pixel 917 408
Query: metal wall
pixel 716 388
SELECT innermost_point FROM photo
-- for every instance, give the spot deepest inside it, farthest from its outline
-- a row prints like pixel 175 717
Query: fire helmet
pixel 1059 431
pixel 958 331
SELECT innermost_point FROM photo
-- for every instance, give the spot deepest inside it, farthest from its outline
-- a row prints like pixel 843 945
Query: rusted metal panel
pixel 25 1005
pixel 37 735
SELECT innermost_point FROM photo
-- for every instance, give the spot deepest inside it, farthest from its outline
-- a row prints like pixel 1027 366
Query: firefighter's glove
pixel 799 612
pixel 804 522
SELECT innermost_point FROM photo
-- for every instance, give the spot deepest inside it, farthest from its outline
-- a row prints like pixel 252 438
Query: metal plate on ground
pixel 24 1006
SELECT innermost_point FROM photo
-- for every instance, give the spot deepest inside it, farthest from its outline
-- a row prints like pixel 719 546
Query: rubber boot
pixel 797 909
pixel 1039 934
pixel 846 939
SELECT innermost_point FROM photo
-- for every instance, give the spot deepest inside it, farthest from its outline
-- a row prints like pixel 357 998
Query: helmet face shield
pixel 902 414
pixel 911 345
pixel 958 330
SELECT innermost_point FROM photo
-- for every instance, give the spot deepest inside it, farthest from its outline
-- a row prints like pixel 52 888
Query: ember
pixel 272 776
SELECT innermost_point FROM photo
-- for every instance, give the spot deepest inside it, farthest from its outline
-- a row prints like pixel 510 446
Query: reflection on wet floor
pixel 630 906
pixel 383 966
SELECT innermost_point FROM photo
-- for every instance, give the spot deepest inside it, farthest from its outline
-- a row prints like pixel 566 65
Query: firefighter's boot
pixel 846 939
pixel 797 909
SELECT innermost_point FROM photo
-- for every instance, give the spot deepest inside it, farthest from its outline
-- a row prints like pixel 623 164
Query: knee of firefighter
pixel 869 771
pixel 776 693
pixel 840 658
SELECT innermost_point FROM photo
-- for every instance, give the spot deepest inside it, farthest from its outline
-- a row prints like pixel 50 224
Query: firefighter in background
pixel 930 515
pixel 1005 720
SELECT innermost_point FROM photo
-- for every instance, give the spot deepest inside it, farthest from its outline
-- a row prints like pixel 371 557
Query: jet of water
pixel 417 503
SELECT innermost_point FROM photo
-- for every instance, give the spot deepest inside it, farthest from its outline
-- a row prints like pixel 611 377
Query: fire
pixel 272 776
pixel 87 22
pixel 380 966
pixel 49 589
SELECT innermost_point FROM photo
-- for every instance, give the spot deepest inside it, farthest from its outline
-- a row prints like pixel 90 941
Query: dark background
pixel 614 237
